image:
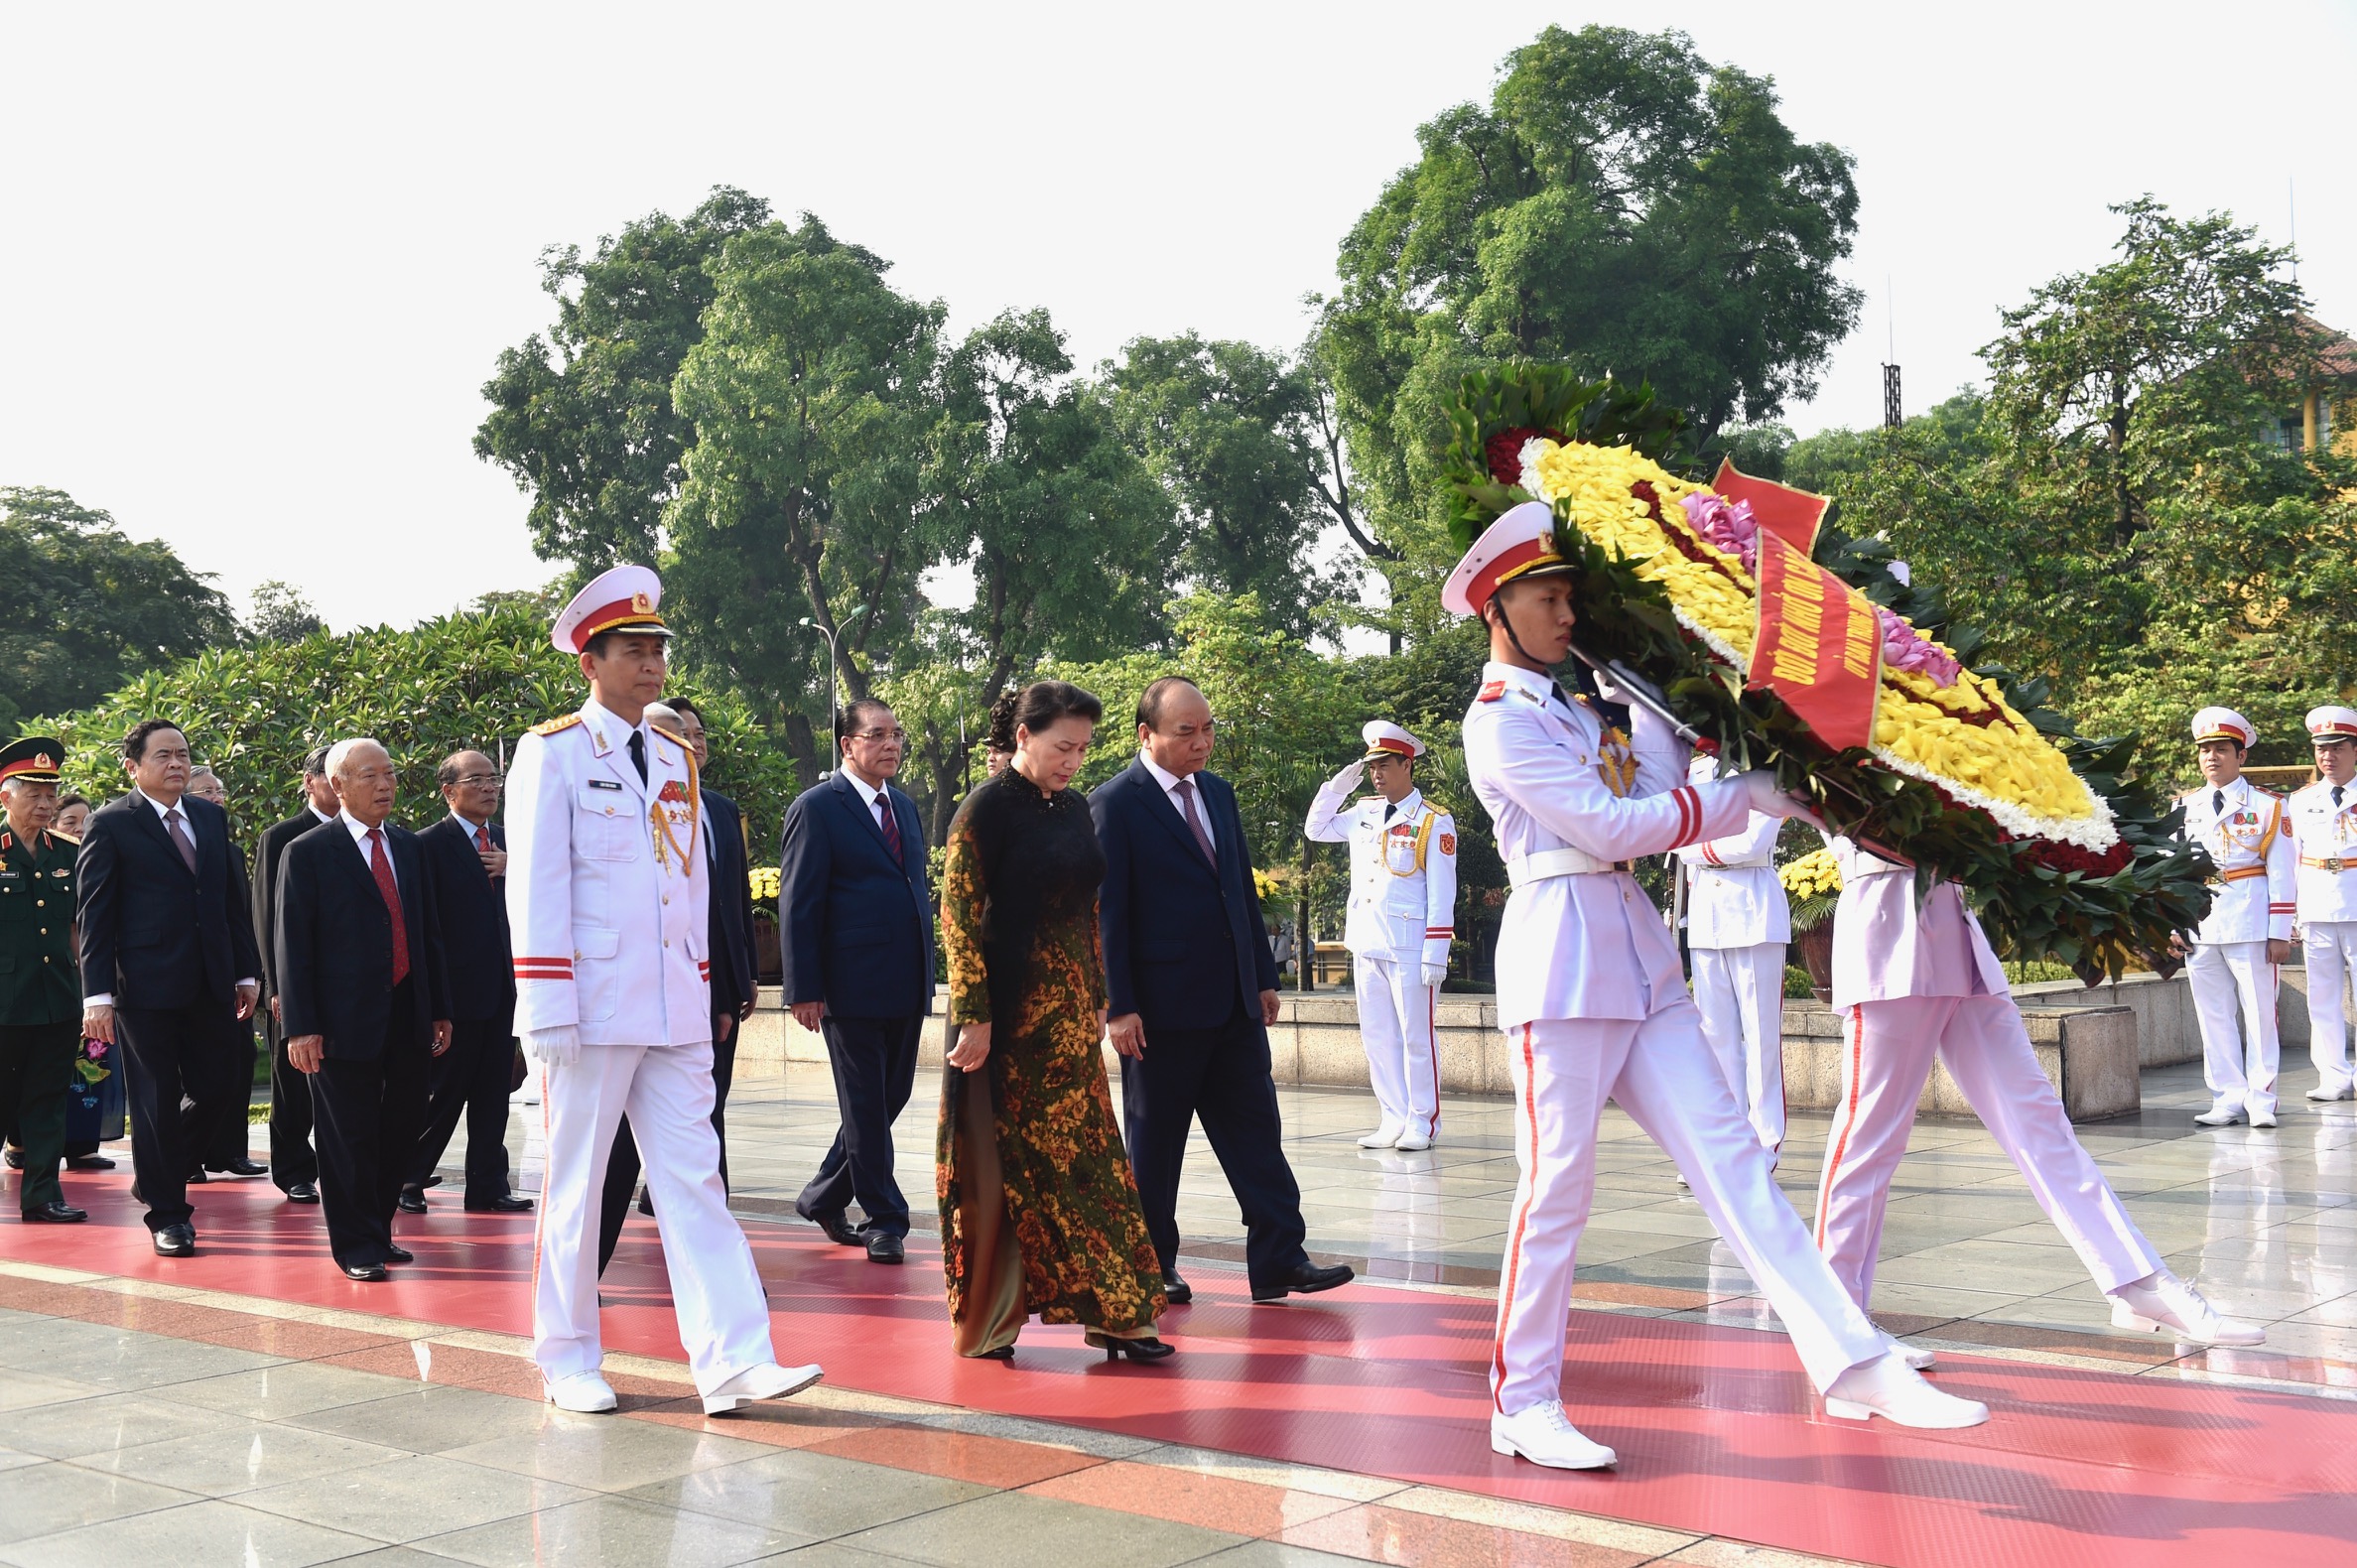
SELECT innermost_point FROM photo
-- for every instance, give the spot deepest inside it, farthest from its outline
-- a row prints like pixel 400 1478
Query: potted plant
pixel 1813 883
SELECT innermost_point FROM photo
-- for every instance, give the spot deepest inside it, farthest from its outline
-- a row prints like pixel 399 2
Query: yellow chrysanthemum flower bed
pixel 1962 736
pixel 1814 874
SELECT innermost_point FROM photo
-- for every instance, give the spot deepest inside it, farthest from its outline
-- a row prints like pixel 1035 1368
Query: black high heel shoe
pixel 1145 1350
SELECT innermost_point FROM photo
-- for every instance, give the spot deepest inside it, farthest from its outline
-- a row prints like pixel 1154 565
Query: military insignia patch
pixel 1491 692
pixel 552 725
pixel 673 789
pixel 1448 844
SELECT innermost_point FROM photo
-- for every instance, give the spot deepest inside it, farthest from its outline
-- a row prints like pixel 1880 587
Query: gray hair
pixel 340 753
pixel 663 711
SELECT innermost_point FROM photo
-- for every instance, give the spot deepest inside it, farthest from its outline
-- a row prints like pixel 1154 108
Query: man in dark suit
pixel 226 1150
pixel 734 979
pixel 293 1163
pixel 467 858
pixel 1191 992
pixel 859 967
pixel 365 1002
pixel 169 966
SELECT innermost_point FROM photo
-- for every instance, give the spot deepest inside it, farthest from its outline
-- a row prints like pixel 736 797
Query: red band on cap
pixel 1400 746
pixel 1510 563
pixel 622 611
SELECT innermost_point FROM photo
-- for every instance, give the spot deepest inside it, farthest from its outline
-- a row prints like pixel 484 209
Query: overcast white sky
pixel 258 261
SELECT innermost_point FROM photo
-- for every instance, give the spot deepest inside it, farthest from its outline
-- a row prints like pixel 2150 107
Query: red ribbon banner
pixel 1793 515
pixel 1818 647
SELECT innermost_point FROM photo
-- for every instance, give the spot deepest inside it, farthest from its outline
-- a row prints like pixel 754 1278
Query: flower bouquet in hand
pixel 1785 644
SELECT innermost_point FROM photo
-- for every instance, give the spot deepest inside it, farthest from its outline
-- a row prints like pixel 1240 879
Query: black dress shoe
pixel 399 1254
pixel 196 1178
pixel 1148 1349
pixel 1175 1290
pixel 90 1162
pixel 304 1192
pixel 56 1213
pixel 839 1229
pixel 411 1201
pixel 506 1203
pixel 176 1241
pixel 885 1247
pixel 14 1158
pixel 431 1180
pixel 1305 1280
pixel 365 1273
pixel 241 1167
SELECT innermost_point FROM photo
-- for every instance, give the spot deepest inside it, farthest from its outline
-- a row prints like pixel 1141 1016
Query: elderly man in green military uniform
pixel 39 993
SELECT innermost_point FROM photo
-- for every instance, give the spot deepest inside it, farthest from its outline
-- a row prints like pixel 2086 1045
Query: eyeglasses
pixel 880 735
pixel 470 780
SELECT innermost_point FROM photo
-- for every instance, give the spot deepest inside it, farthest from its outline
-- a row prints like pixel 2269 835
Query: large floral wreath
pixel 2064 852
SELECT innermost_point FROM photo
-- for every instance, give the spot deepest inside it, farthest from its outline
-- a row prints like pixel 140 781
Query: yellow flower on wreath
pixel 1814 872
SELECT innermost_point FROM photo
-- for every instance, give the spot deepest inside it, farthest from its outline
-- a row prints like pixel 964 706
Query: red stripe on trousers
pixel 1513 1254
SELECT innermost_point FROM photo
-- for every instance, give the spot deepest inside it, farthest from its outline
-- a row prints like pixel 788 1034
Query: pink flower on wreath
pixel 1905 648
pixel 1729 525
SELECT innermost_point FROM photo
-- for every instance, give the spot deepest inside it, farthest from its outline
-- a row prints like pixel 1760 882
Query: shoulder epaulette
pixel 552 725
pixel 673 736
pixel 73 839
pixel 1491 691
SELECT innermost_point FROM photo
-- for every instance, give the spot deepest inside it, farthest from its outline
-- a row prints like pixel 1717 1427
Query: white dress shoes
pixel 1544 1435
pixel 2345 1092
pixel 2165 1304
pixel 2225 1114
pixel 1385 1137
pixel 1916 1358
pixel 2263 1118
pixel 770 1382
pixel 1412 1143
pixel 1888 1387
pixel 585 1394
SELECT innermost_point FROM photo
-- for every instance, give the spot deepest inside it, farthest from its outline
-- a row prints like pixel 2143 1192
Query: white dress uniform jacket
pixel 1403 872
pixel 2324 840
pixel 599 887
pixel 2251 840
pixel 1582 946
pixel 1883 949
pixel 1735 898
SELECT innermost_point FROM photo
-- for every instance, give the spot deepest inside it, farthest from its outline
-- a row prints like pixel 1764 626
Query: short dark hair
pixel 72 798
pixel 1149 702
pixel 315 763
pixel 135 744
pixel 684 704
pixel 1038 706
pixel 847 721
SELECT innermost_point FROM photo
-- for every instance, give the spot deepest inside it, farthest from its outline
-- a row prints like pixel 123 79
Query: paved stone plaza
pixel 146 1421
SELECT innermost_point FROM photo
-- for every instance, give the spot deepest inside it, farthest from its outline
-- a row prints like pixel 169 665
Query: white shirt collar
pixel 1163 776
pixel 356 827
pixel 1402 811
pixel 315 812
pixel 159 808
pixel 870 793
pixel 470 827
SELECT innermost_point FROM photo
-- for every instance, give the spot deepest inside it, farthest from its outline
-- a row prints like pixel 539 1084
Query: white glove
pixel 1768 799
pixel 1348 778
pixel 1434 974
pixel 558 1047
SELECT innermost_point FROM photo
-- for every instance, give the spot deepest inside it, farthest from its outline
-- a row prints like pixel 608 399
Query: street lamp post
pixel 833 692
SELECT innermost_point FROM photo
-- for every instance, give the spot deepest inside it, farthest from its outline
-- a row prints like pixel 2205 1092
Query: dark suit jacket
pixel 734 977
pixel 1183 941
pixel 151 934
pixel 858 925
pixel 472 913
pixel 264 891
pixel 336 945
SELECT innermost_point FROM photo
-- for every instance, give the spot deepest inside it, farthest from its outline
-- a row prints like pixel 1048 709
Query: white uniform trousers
pixel 2239 1065
pixel 1395 1021
pixel 1890 1048
pixel 1661 1072
pixel 2331 947
pixel 1740 992
pixel 667 1092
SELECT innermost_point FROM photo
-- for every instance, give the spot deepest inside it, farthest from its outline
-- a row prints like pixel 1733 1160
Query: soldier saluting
pixel 39 993
pixel 608 899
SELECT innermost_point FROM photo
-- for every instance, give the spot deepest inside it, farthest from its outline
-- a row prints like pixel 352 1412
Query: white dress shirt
pixel 360 832
pixel 1170 783
pixel 878 802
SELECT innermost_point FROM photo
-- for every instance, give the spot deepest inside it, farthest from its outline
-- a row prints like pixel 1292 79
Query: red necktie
pixel 392 896
pixel 884 820
pixel 482 840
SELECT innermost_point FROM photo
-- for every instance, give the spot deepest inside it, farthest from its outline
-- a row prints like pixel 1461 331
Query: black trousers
pixel 369 1114
pixel 469 1079
pixel 35 1059
pixel 184 1067
pixel 875 1067
pixel 292 1159
pixel 621 1163
pixel 1220 1076
pixel 228 1143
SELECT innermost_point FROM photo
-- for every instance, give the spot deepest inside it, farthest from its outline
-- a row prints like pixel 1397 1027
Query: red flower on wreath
pixel 1504 452
pixel 2068 857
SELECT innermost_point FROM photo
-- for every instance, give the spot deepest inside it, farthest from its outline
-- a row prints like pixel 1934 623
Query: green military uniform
pixel 39 988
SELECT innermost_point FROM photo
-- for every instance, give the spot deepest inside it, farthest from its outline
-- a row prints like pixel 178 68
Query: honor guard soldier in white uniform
pixel 606 894
pixel 1594 1006
pixel 1917 981
pixel 1738 922
pixel 1402 913
pixel 2323 825
pixel 2236 956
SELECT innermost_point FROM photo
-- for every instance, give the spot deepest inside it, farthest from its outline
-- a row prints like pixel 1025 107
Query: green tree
pixel 808 398
pixel 583 417
pixel 1620 206
pixel 92 606
pixel 1231 431
pixel 281 613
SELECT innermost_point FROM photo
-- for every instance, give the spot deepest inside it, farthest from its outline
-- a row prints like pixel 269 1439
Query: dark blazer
pixel 858 925
pixel 472 912
pixel 734 977
pixel 151 934
pixel 267 852
pixel 1183 941
pixel 336 944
